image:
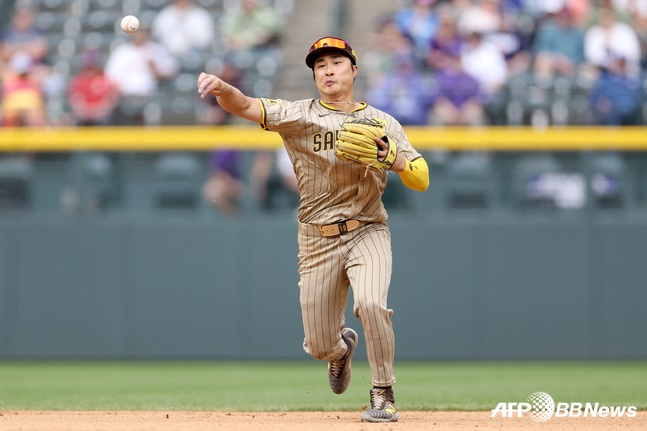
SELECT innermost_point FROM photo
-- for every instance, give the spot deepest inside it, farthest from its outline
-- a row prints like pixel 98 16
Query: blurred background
pixel 522 253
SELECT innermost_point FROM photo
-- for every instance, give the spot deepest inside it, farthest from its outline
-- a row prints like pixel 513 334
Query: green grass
pixel 303 385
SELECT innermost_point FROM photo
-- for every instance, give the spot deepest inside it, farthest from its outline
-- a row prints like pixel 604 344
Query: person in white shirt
pixel 137 67
pixel 485 62
pixel 612 38
pixel 182 27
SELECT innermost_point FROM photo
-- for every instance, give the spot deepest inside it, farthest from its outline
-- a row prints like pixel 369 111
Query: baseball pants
pixel 328 267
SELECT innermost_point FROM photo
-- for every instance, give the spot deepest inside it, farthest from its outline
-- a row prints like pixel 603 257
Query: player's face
pixel 334 75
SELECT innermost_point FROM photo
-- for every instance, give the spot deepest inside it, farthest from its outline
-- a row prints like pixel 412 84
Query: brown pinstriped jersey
pixel 331 190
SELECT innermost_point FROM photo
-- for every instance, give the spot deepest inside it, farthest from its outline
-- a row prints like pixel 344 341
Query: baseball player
pixel 341 150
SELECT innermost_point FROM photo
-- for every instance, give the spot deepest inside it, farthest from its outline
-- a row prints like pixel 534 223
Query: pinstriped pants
pixel 328 267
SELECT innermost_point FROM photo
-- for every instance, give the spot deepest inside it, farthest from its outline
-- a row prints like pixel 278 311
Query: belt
pixel 339 228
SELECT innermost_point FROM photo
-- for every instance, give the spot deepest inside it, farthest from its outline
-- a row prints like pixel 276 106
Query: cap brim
pixel 314 55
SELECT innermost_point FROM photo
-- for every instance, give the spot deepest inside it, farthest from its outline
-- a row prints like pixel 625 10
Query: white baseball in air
pixel 130 24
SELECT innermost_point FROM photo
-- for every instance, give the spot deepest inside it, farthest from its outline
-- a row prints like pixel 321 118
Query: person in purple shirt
pixel 404 93
pixel 459 99
pixel 447 39
pixel 224 187
pixel 617 95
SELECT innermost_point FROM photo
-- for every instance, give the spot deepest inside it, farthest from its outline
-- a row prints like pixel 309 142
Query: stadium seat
pixel 91 183
pixel 179 178
pixel 607 182
pixel 15 183
pixel 469 181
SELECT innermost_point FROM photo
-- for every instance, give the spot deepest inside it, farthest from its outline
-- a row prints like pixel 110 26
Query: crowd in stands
pixel 541 62
pixel 45 73
pixel 432 62
pixel 132 79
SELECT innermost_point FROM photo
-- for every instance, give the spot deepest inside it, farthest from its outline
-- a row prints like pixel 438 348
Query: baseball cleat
pixel 382 407
pixel 339 370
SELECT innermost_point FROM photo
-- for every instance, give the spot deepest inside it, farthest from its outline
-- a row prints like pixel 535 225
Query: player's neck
pixel 342 105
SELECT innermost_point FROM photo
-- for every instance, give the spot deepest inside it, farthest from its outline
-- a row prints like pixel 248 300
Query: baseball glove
pixel 356 144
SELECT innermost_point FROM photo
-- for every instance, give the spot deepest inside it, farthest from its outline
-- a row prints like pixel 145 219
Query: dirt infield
pixel 294 421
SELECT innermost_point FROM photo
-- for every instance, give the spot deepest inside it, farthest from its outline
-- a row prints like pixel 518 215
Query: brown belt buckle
pixel 339 228
pixel 343 227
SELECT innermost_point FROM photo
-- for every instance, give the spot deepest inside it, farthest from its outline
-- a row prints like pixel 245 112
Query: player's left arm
pixel 415 174
pixel 409 164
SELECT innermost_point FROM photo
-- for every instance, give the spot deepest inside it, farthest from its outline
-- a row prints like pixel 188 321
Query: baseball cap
pixel 330 44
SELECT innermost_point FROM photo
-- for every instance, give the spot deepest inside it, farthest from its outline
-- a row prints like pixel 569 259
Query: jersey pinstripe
pixel 330 189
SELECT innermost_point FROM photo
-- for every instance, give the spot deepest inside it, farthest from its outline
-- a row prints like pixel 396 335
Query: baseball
pixel 130 24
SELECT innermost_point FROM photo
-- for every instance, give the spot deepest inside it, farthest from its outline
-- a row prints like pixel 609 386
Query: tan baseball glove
pixel 356 144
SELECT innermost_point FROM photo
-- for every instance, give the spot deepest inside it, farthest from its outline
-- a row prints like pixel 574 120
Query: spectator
pixel 137 67
pixel 23 36
pixel 515 37
pixel 500 29
pixel 485 62
pixel 92 96
pixel 419 23
pixel 617 95
pixel 560 42
pixel 624 11
pixel 459 100
pixel 447 41
pixel 23 102
pixel 389 43
pixel 403 93
pixel 250 26
pixel 538 9
pixel 634 13
pixel 251 32
pixel 610 37
pixel 183 27
pixel 482 16
pixel 224 187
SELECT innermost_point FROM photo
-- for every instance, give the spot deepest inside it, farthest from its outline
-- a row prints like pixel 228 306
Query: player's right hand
pixel 210 84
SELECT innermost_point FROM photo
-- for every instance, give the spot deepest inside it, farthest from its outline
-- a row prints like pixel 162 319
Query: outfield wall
pixel 498 283
pixel 540 286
